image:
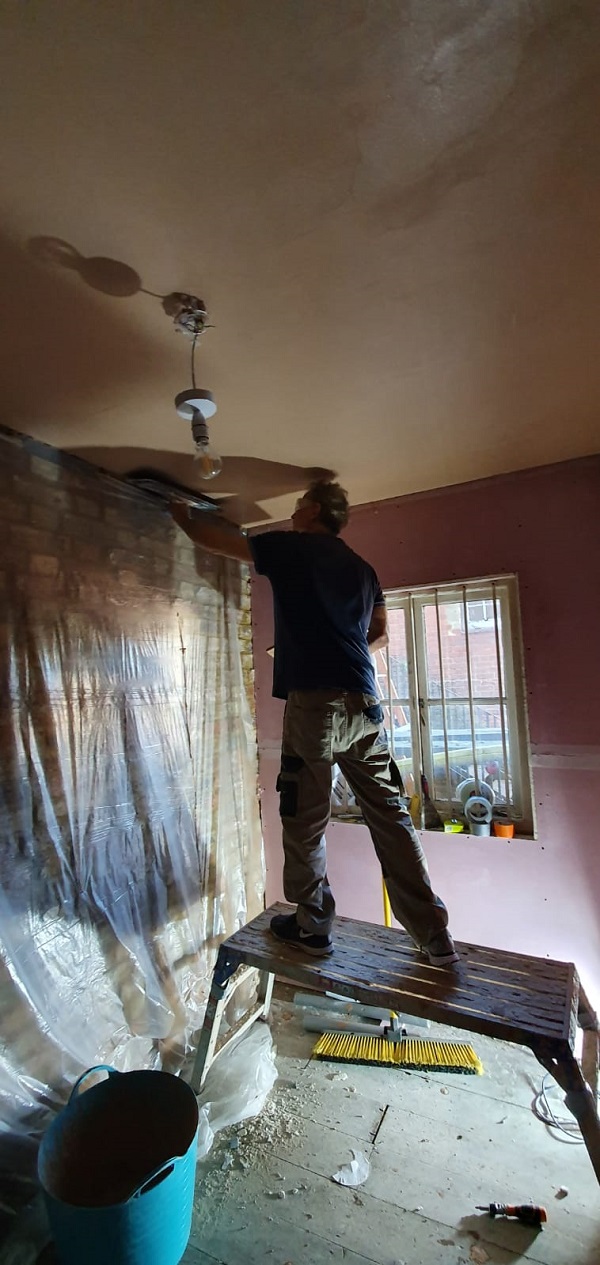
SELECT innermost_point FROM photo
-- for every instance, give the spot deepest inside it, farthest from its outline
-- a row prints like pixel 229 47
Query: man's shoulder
pixel 358 559
pixel 267 547
pixel 271 534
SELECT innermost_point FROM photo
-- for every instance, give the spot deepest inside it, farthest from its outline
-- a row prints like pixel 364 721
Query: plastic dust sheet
pixel 237 1085
pixel 129 829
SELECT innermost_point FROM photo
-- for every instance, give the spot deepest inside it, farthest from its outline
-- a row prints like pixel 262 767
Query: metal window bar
pixel 389 689
pixel 443 697
pixel 419 711
pixel 507 796
pixel 470 684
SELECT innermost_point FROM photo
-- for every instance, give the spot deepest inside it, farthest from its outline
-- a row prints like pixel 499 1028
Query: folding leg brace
pixel 227 977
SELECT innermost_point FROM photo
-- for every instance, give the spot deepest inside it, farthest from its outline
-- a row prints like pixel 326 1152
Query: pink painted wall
pixel 541 896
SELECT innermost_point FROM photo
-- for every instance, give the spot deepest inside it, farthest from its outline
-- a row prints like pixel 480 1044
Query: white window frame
pixel 502 593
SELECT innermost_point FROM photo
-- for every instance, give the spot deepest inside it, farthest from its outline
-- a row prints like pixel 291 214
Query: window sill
pixel 522 837
pixel 351 819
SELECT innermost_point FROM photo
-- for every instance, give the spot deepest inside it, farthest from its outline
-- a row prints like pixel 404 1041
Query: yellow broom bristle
pixel 444 1056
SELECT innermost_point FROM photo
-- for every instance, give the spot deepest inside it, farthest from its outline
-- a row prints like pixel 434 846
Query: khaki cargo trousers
pixel 326 727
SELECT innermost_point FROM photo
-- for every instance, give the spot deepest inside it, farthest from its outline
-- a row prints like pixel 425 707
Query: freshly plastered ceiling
pixel 391 209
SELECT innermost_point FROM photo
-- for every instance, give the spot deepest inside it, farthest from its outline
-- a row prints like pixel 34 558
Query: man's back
pixel 324 595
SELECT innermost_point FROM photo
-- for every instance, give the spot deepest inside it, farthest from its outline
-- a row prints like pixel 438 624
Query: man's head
pixel 323 508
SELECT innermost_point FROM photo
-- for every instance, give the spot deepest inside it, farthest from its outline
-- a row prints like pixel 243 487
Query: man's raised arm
pixel 215 534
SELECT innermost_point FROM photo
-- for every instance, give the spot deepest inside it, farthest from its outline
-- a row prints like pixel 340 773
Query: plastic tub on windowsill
pixel 503 829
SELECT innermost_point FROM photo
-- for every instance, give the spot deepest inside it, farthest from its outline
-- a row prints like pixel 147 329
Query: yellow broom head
pixel 423 1056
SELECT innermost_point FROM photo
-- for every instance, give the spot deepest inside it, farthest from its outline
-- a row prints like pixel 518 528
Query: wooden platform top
pixel 512 996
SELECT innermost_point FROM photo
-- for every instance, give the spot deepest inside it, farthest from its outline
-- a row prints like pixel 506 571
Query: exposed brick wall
pixel 60 516
pixel 121 647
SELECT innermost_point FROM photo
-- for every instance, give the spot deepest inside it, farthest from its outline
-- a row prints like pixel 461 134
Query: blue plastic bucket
pixel 117 1168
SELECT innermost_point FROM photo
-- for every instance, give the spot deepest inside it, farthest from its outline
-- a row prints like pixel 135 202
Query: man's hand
pixel 378 633
pixel 211 532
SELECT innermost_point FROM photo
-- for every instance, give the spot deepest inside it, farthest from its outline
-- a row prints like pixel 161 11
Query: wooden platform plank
pixel 531 974
pixel 512 996
pixel 479 988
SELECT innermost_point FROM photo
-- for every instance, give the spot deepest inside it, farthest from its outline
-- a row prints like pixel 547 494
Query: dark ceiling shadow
pixel 109 276
pixel 62 348
pixel 242 483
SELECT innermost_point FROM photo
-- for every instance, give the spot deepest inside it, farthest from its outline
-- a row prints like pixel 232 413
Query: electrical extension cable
pixel 542 1108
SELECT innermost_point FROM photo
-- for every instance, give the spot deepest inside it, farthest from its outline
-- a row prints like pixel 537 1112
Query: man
pixel 329 616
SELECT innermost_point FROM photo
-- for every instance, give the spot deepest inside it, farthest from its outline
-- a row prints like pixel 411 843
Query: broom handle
pixel 387 918
pixel 312 1023
pixel 387 908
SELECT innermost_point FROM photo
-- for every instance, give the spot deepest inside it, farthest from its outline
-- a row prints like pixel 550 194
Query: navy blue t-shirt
pixel 323 595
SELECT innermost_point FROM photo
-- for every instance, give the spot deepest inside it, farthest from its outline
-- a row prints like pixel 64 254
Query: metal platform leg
pixel 265 991
pixel 227 977
pixel 579 1098
pixel 590 1054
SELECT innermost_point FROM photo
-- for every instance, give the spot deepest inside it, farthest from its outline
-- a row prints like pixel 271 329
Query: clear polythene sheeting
pixel 129 832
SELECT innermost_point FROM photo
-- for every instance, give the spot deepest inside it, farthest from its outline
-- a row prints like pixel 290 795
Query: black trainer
pixel 441 951
pixel 285 927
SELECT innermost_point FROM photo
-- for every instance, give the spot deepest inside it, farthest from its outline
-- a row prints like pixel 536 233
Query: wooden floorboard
pixel 437 1144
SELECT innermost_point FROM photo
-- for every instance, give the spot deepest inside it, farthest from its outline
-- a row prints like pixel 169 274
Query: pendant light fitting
pixel 190 317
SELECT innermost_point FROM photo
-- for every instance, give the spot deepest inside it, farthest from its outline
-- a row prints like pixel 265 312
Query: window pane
pixel 397 719
pixel 460 754
pixel 343 803
pixel 454 654
pixel 396 655
pixel 489 753
pixel 381 672
pixel 399 734
pixel 482 648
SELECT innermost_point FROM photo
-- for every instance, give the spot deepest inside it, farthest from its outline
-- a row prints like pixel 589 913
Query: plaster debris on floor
pixel 437 1145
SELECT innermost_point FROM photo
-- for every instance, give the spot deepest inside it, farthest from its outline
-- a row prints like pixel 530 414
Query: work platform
pixel 530 1001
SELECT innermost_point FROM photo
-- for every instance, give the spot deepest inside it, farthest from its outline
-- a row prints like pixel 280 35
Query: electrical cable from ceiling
pixel 190 318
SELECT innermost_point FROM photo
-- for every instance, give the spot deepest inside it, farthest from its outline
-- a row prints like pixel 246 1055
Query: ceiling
pixel 391 209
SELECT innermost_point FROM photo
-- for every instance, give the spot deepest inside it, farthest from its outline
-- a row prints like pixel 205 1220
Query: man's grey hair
pixel 333 502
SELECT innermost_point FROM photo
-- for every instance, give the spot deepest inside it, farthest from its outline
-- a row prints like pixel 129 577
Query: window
pixel 481 615
pixel 451 684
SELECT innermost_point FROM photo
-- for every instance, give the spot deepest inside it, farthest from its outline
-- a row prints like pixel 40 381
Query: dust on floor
pixel 438 1144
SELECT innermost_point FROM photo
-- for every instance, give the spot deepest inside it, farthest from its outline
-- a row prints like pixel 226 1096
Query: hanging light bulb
pixel 190 317
pixel 197 407
pixel 208 461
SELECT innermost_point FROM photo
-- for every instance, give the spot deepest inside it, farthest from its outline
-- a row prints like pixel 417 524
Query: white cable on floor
pixel 542 1108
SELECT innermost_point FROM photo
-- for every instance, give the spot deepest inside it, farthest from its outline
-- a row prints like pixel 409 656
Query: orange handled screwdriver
pixel 527 1214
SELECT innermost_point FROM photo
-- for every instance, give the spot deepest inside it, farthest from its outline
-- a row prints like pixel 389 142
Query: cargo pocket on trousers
pixel 287 785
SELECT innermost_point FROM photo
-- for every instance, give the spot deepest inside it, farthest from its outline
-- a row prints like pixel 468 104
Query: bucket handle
pixel 156 1177
pixel 100 1067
